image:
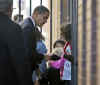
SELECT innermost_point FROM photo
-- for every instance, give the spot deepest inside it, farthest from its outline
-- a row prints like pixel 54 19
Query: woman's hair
pixel 66 31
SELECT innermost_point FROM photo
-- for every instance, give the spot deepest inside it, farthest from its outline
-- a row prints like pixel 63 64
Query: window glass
pixel 34 4
pixel 25 4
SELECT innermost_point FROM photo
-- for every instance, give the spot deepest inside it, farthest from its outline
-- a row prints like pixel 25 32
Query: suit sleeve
pixel 30 46
pixel 19 61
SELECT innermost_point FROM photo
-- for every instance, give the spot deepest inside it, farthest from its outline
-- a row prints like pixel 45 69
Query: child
pixel 63 63
pixel 41 49
pixel 53 73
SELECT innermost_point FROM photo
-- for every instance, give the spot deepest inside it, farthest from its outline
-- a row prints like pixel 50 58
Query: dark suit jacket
pixel 31 35
pixel 14 68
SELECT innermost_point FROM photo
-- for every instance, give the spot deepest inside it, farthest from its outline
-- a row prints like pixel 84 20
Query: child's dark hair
pixel 58 41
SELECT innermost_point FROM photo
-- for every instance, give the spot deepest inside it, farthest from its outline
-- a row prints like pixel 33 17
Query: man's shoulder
pixel 14 26
pixel 27 23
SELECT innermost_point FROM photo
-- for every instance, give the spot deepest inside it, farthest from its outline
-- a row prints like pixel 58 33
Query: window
pixel 66 11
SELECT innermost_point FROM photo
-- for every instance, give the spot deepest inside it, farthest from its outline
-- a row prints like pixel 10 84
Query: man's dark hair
pixel 41 9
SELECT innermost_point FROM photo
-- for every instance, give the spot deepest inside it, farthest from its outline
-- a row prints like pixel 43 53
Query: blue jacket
pixel 41 47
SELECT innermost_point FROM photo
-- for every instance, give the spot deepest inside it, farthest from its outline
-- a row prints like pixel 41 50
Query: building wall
pixel 98 41
pixel 88 42
pixel 60 15
pixel 55 23
pixel 64 10
pixel 46 28
pixel 55 20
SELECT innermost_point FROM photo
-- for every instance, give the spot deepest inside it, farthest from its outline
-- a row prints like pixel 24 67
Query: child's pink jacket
pixel 59 64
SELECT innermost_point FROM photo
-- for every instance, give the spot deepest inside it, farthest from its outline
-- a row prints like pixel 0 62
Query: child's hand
pixel 47 57
pixel 38 72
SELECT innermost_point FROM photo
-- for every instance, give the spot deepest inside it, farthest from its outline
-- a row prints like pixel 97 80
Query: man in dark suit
pixel 14 68
pixel 32 34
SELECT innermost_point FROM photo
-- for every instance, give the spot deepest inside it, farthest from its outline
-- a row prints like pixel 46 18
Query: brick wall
pixel 98 42
pixel 88 42
pixel 55 20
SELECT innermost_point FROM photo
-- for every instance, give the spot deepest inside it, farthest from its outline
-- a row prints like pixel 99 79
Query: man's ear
pixel 36 13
